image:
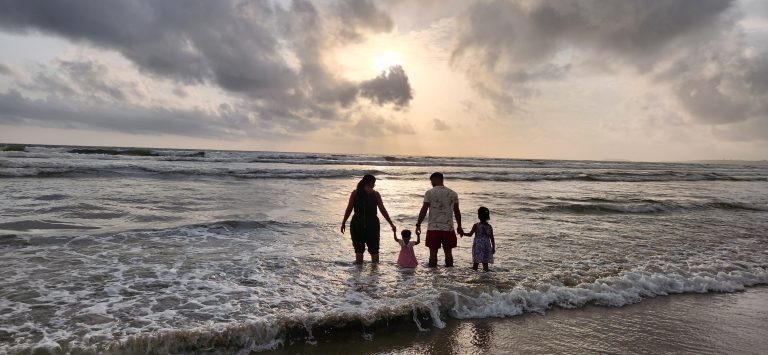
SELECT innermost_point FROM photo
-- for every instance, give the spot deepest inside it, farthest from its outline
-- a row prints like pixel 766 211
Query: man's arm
pixel 457 214
pixel 422 214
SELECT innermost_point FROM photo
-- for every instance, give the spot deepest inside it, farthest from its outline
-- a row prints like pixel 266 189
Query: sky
pixel 652 80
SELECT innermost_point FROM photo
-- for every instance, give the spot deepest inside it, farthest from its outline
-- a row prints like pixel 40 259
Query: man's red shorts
pixel 436 239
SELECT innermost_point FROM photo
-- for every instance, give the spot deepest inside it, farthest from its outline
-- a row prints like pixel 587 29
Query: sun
pixel 386 60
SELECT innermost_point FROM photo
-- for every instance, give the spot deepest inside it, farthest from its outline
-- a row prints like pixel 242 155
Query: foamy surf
pixel 421 312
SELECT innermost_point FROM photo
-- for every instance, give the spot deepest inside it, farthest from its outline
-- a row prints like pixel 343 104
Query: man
pixel 442 204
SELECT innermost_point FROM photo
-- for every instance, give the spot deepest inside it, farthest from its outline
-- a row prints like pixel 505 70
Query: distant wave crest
pixel 317 173
pixel 644 207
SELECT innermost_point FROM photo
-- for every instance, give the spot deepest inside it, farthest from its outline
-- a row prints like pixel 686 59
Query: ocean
pixel 179 251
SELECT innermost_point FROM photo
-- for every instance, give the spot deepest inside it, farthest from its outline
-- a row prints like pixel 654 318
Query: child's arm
pixel 472 231
pixel 493 242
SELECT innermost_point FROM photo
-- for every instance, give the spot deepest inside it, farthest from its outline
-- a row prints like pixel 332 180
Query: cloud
pixel 391 86
pixel 206 41
pixel 719 86
pixel 752 130
pixel 510 36
pixel 5 70
pixel 694 49
pixel 363 14
pixel 16 109
pixel 755 8
pixel 440 125
pixel 81 79
pixel 270 56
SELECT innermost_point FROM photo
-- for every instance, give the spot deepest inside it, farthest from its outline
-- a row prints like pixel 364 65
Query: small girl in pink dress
pixel 407 258
pixel 484 246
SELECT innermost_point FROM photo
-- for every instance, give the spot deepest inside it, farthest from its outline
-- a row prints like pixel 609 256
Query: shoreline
pixel 689 323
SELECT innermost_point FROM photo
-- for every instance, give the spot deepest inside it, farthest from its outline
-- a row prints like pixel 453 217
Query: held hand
pixel 460 231
pixel 418 229
pixel 394 229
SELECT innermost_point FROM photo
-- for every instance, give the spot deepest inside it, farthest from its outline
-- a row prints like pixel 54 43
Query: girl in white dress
pixel 484 246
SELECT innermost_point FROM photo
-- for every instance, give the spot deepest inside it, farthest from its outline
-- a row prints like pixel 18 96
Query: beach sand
pixel 732 323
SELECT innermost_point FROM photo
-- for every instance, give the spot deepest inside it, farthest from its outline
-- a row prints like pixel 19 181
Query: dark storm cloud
pixel 390 86
pixel 363 14
pixel 263 52
pixel 694 47
pixel 518 40
pixel 190 41
pixel 511 34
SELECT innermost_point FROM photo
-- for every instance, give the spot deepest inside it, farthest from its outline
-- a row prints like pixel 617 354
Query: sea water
pixel 241 251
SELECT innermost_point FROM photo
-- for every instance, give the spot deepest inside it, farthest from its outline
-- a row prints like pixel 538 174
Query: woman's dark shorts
pixel 365 237
pixel 370 240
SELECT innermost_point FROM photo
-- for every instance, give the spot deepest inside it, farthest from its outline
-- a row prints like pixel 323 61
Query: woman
pixel 365 223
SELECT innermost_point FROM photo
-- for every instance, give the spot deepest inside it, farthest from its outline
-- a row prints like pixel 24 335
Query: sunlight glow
pixel 386 60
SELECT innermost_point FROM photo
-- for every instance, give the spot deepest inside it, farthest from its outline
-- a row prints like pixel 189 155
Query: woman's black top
pixel 365 219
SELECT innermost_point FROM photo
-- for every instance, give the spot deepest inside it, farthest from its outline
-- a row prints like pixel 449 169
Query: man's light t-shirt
pixel 441 200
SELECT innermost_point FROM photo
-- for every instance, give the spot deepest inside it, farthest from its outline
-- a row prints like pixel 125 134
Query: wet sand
pixel 726 323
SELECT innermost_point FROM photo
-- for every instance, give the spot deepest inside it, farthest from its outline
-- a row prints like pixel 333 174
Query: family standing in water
pixel 441 205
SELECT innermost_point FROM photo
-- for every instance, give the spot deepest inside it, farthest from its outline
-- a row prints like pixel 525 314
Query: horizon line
pixel 619 160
